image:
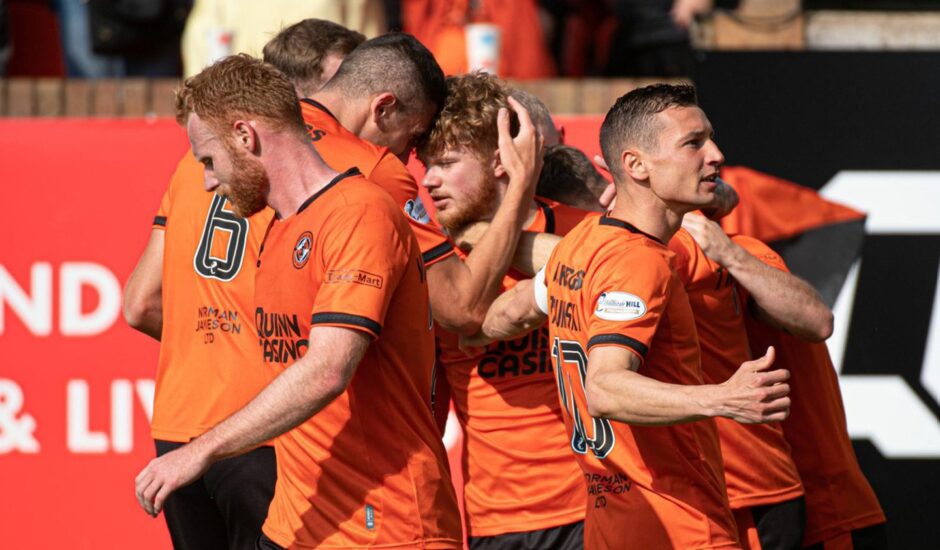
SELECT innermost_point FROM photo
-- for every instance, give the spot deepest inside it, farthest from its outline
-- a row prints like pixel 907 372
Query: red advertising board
pixel 76 383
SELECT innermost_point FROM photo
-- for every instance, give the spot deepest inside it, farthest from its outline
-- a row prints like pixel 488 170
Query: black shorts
pixel 566 537
pixel 225 508
pixel 780 526
pixel 264 543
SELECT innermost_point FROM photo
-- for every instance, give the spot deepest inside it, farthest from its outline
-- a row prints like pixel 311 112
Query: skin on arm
pixel 143 293
pixel 514 313
pixel 298 393
pixel 780 299
pixel 616 391
pixel 461 291
pixel 532 251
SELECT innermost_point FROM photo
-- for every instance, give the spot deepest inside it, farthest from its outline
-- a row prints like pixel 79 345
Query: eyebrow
pixel 698 133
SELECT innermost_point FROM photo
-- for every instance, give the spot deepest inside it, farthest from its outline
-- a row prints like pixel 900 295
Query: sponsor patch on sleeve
pixel 619 306
pixel 356 276
pixel 415 209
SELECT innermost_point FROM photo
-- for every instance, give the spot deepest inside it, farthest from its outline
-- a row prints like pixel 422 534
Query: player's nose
pixel 209 181
pixel 431 179
pixel 714 155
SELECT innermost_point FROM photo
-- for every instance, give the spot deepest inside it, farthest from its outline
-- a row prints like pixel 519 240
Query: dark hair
pixel 538 112
pixel 569 177
pixel 468 119
pixel 298 50
pixel 631 121
pixel 394 62
pixel 240 86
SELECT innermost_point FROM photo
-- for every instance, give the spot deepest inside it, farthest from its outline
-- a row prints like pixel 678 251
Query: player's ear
pixel 382 107
pixel 245 135
pixel 498 169
pixel 634 164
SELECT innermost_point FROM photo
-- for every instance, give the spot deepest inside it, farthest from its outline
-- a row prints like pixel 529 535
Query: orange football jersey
pixel 838 497
pixel 647 487
pixel 342 149
pixel 209 364
pixel 370 468
pixel 519 473
pixel 758 466
pixel 773 209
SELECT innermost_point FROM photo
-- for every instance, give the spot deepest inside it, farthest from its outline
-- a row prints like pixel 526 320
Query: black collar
pixel 607 220
pixel 347 174
pixel 320 106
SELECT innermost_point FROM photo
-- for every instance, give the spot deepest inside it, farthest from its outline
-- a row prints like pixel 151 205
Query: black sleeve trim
pixel 160 220
pixel 436 252
pixel 346 319
pixel 620 339
pixel 549 216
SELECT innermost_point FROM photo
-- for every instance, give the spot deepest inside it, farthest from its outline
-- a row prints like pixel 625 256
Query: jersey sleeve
pixel 188 172
pixel 364 254
pixel 163 212
pixel 682 245
pixel 395 178
pixel 628 293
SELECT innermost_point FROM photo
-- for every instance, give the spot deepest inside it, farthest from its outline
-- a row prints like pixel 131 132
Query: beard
pixel 248 185
pixel 478 208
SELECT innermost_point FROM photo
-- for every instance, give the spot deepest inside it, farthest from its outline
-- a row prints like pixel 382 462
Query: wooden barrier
pixel 49 97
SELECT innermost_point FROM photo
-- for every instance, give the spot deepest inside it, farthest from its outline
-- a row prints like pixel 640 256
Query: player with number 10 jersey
pixel 609 284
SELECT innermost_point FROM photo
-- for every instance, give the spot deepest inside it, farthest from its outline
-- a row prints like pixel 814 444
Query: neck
pixel 502 185
pixel 295 172
pixel 350 113
pixel 647 212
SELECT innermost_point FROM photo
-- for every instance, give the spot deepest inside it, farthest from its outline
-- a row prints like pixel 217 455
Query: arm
pixel 298 393
pixel 461 292
pixel 143 293
pixel 615 390
pixel 514 313
pixel 781 299
pixel 532 251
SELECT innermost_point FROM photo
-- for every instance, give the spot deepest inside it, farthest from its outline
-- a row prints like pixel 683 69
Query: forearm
pixel 513 314
pixel 533 251
pixel 294 396
pixel 632 398
pixel 782 299
pixel 469 287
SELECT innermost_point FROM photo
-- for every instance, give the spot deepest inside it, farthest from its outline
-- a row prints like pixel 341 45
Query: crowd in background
pixel 171 38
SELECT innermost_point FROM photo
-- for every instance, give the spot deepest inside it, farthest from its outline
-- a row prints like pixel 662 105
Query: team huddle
pixel 626 374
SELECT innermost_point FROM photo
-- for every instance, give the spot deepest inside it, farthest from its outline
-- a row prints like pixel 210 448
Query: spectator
pixel 217 28
pixel 439 24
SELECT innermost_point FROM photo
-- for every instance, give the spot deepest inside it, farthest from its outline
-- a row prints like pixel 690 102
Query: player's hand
pixel 726 199
pixel 755 394
pixel 521 156
pixel 608 198
pixel 711 238
pixel 166 474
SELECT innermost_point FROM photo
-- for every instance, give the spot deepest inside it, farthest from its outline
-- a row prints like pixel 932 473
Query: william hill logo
pixel 280 337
